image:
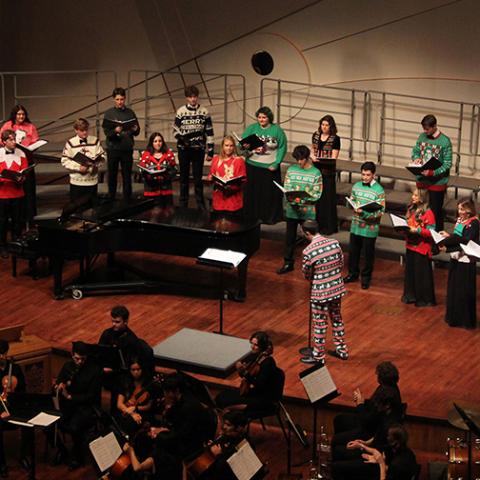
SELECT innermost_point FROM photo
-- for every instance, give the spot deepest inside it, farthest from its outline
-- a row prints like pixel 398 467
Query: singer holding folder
pixel 433 143
pixel 462 275
pixel 418 285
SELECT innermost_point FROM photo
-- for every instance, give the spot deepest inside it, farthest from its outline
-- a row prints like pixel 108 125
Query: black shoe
pixel 287 267
pixel 425 304
pixel 341 356
pixel 365 285
pixel 237 296
pixel 350 278
pixel 25 464
pixel 3 471
pixel 407 300
pixel 74 464
pixel 60 457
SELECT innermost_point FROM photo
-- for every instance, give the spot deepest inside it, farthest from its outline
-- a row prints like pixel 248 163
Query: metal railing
pixel 377 124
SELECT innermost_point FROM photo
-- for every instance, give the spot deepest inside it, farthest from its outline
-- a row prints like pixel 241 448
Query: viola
pixel 9 384
pixel 139 396
pixel 252 370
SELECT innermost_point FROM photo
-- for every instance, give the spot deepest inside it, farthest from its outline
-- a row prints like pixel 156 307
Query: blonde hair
pixel 222 153
pixel 469 205
pixel 418 209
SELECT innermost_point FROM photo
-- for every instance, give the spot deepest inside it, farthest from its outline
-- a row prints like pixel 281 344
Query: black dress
pixel 326 207
pixel 462 283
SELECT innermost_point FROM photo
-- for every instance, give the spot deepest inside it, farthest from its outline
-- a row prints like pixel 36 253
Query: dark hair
pixel 263 340
pixel 15 110
pixel 173 382
pixel 119 91
pixel 428 121
pixel 387 374
pixel 80 348
pixel 81 124
pixel 469 205
pixel 120 311
pixel 4 346
pixel 331 123
pixel 301 152
pixel 370 166
pixel 6 134
pixel 152 137
pixel 236 417
pixel 191 91
pixel 399 435
pixel 266 111
pixel 310 226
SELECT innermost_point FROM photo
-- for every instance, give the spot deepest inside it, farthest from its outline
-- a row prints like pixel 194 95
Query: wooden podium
pixel 32 354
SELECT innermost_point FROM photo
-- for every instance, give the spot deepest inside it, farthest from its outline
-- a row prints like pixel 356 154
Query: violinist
pixel 12 380
pixel 260 383
pixel 134 402
pixel 78 390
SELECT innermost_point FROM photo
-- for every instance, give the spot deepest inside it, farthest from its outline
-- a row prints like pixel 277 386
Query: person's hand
pixel 374 457
pixel 135 127
pixel 136 417
pixel 417 161
pixel 126 447
pixel 107 370
pixel 427 173
pixel 413 230
pixel 118 129
pixel 442 248
pixel 240 366
pixel 83 169
pixel 216 450
pixel 259 150
pixel 4 415
pixel 357 396
pixel 129 410
pixel 358 211
pixel 272 168
pixel 355 444
pixel 444 234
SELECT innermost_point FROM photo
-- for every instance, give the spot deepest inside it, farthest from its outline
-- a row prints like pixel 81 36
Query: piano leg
pixel 57 268
pixel 241 293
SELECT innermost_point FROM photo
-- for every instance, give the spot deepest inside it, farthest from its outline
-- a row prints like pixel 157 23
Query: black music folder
pixel 152 171
pixel 399 223
pixel 127 125
pixel 86 161
pixel 251 142
pixel 16 175
pixel 431 164
pixel 368 206
pixel 222 182
pixel 293 195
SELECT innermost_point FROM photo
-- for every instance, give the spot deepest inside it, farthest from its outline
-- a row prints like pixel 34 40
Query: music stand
pixel 221 259
pixel 320 389
pixel 472 427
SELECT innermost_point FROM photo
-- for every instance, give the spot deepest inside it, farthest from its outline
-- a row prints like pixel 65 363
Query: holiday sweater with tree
pixel 367 224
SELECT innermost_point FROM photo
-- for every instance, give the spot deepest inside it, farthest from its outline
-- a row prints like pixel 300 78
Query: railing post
pixel 97 112
pixel 261 90
pixel 474 133
pixel 352 119
pixel 147 107
pixel 459 144
pixel 225 104
pixel 279 99
pixel 3 97
pixel 382 131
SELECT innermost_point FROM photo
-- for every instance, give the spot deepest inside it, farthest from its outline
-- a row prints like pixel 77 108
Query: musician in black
pixel 12 380
pixel 262 381
pixel 78 389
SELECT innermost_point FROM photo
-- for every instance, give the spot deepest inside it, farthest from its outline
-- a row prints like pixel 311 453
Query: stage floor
pixel 437 364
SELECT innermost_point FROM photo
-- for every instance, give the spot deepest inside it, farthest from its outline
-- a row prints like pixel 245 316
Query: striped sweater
pixel 322 265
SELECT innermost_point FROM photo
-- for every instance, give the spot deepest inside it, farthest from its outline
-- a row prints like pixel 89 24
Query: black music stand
pixel 221 259
pixel 320 389
pixel 472 427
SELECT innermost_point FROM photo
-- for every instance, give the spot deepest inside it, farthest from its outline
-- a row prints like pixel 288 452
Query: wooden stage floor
pixel 437 364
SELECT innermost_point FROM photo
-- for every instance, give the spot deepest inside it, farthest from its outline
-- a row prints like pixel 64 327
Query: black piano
pixel 137 226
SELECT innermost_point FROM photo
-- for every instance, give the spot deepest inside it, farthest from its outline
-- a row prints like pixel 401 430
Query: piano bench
pixel 25 250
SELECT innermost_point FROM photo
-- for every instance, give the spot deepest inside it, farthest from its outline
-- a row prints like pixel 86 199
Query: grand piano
pixel 137 226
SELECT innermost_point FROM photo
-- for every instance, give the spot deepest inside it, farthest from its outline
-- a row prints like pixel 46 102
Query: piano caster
pixel 77 294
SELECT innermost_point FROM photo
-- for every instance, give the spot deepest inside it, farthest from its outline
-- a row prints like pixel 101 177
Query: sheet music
pixel 20 423
pixel 226 256
pixel 398 221
pixel 351 202
pixel 437 238
pixel 279 186
pixel 244 462
pixel 43 419
pixel 37 144
pixel 471 248
pixel 105 451
pixel 318 384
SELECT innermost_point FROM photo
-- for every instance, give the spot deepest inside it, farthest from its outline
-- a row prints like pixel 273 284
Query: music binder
pixel 399 223
pixel 152 171
pixel 33 146
pixel 16 175
pixel 318 384
pixel 222 182
pixel 431 164
pixel 127 125
pixel 471 249
pixel 251 142
pixel 86 161
pixel 368 206
pixel 222 258
pixel 293 196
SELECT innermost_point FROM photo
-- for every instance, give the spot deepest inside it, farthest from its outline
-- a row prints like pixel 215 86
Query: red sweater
pixel 13 161
pixel 160 184
pixel 421 242
pixel 25 133
pixel 232 199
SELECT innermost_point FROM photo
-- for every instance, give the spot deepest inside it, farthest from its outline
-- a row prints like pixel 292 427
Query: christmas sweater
pixel 367 224
pixel 157 185
pixel 420 241
pixel 14 160
pixel 322 265
pixel 274 149
pixel 308 180
pixel 231 199
pixel 194 129
pixel 91 148
pixel 467 230
pixel 439 147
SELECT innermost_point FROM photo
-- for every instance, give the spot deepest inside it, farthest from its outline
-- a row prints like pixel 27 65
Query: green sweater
pixel 308 180
pixel 275 145
pixel 367 224
pixel 440 148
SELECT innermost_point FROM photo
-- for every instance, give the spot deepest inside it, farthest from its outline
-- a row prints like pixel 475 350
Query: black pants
pixel 185 158
pixel 291 239
pixel 357 243
pixel 11 208
pixel 87 194
pixel 435 202
pixel 125 160
pixel 418 285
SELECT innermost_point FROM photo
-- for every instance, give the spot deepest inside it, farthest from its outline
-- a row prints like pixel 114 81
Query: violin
pixel 252 370
pixel 9 383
